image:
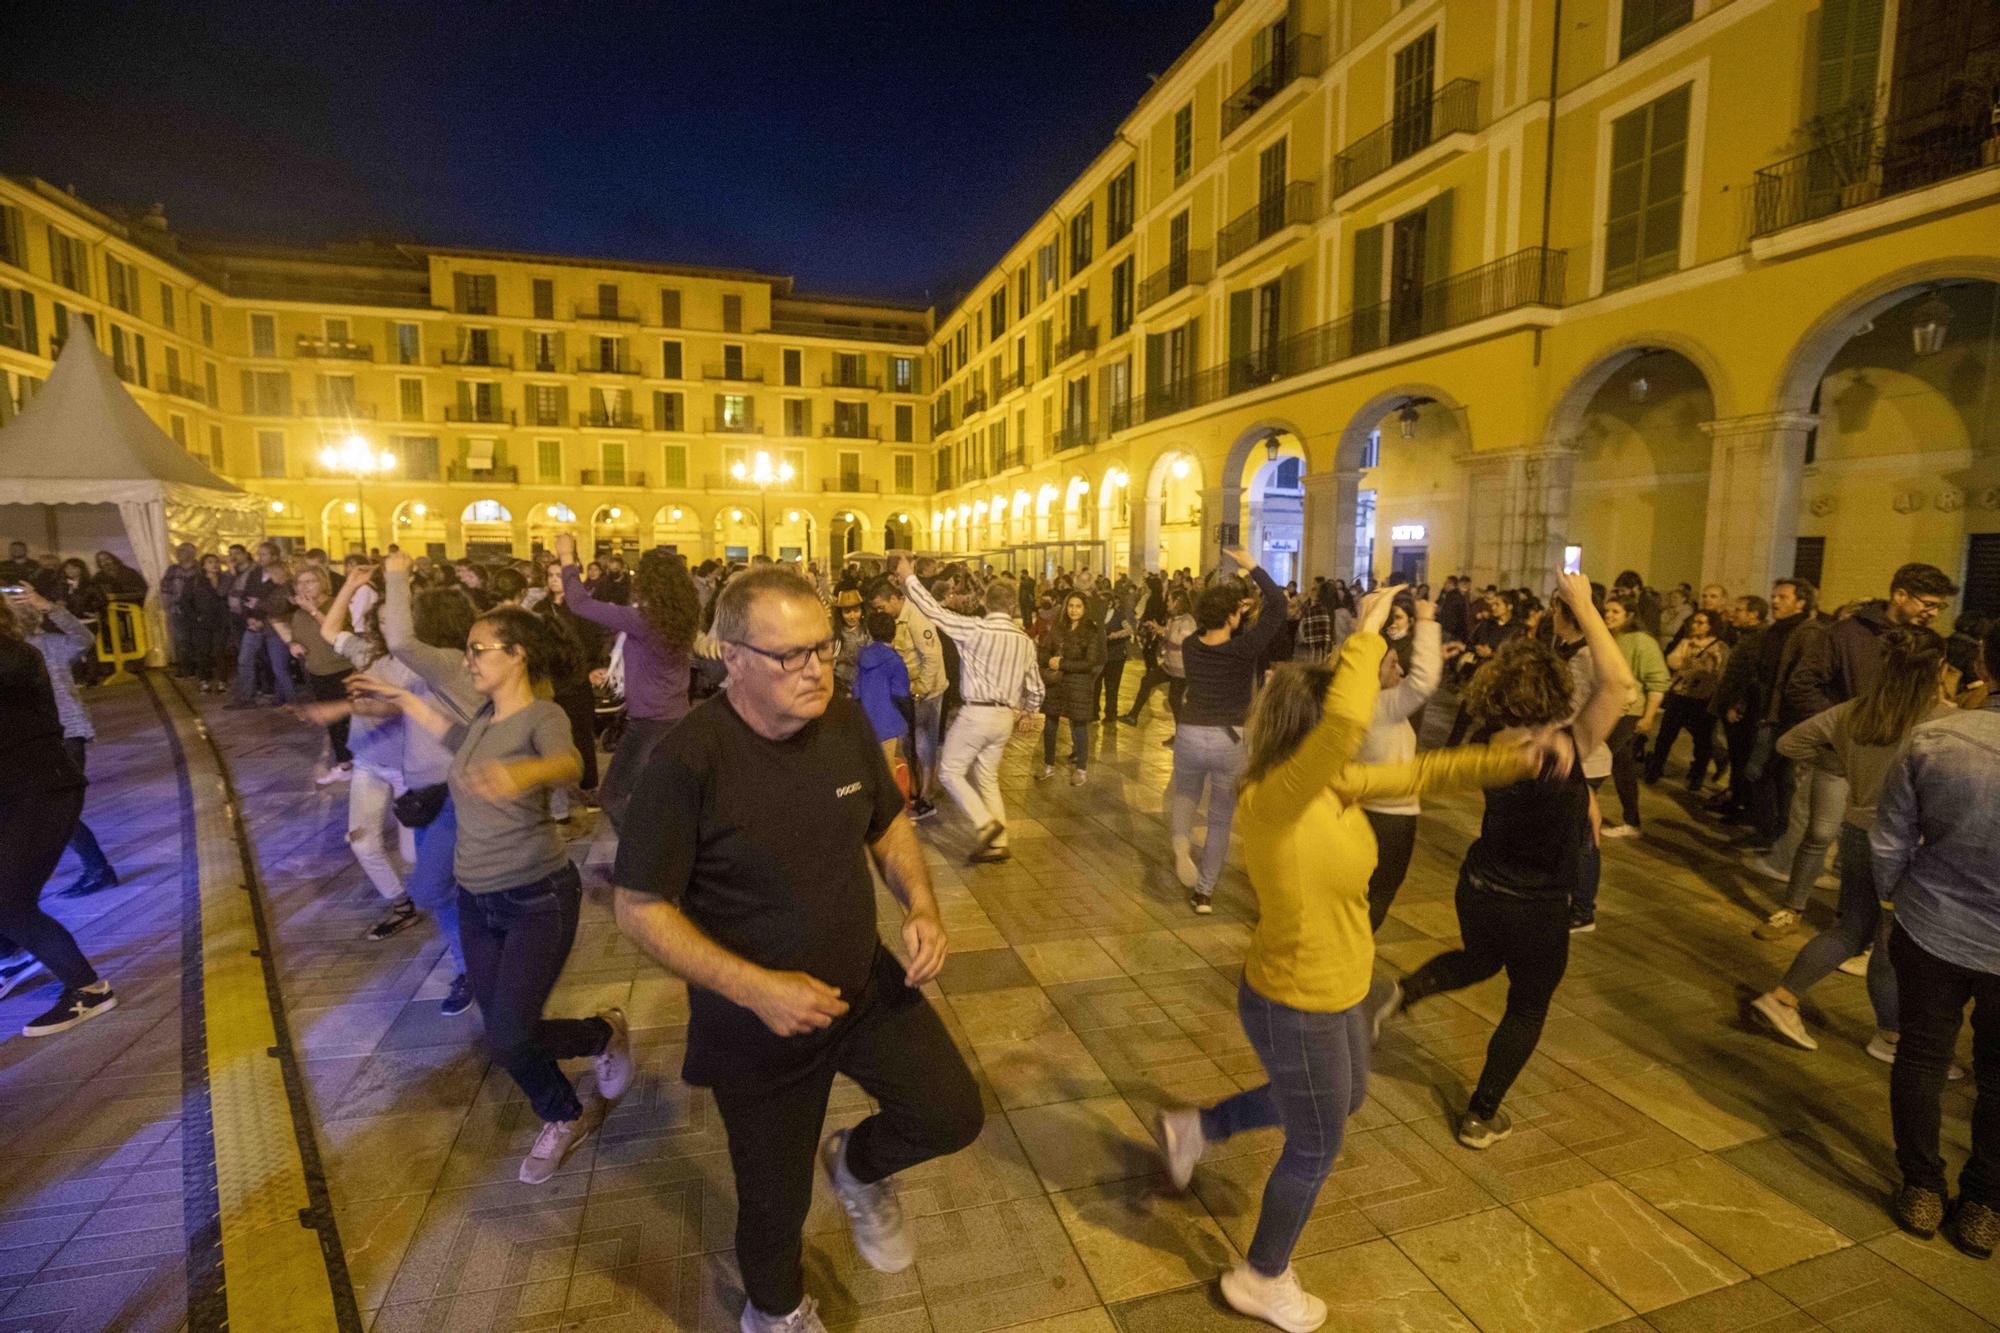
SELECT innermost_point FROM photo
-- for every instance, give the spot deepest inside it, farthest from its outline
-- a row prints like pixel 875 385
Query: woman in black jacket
pixel 1072 657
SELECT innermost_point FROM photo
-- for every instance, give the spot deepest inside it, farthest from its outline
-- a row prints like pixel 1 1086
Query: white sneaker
pixel 553 1145
pixel 1385 1001
pixel 1784 1020
pixel 17 970
pixel 1181 1142
pixel 1619 831
pixel 1755 861
pixel 338 773
pixel 1883 1047
pixel 1184 867
pixel 614 1062
pixel 1048 771
pixel 1275 1300
pixel 1857 966
pixel 1076 778
pixel 805 1319
pixel 873 1213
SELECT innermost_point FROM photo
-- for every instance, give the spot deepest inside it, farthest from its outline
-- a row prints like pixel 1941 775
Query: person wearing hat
pixel 853 638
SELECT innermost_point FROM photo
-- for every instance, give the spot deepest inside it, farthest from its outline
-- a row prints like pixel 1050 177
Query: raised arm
pixel 1347 711
pixel 619 619
pixel 1426 668
pixel 951 622
pixel 74 630
pixel 443 669
pixel 1615 682
pixel 333 622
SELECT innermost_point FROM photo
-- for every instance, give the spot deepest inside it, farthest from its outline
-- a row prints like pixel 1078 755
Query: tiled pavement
pixel 1671 1167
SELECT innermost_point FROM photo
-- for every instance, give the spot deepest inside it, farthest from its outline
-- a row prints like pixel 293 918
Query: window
pixel 1809 560
pixel 670 359
pixel 797 459
pixel 139 358
pixel 1642 231
pixel 902 374
pixel 1045 340
pixel 118 284
pixel 670 307
pixel 336 395
pixel 850 470
pixel 1183 142
pixel 996 310
pixel 13 240
pixel 214 446
pixel 474 293
pixel 263 335
pixel 733 410
pixel 214 389
pixel 1079 317
pixel 17 320
pixel 544 350
pixel 674 465
pixel 167 317
pixel 1415 70
pixel 409 350
pixel 1080 238
pixel 270 453
pixel 731 457
pixel 906 423
pixel 173 355
pixel 418 455
pixel 545 404
pixel 267 393
pixel 850 420
pixel 906 473
pixel 1121 296
pixel 207 324
pixel 548 460
pixel 732 314
pixel 1021 293
pixel 69 262
pixel 794 366
pixel 798 417
pixel 667 411
pixel 1982 575
pixel 732 361
pixel 1047 273
pixel 1644 22
pixel 607 300
pixel 177 426
pixel 545 301
pixel 1371 451
pixel 337 330
pixel 410 399
pixel 611 455
pixel 1118 205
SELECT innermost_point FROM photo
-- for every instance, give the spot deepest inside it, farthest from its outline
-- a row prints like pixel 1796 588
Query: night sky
pixel 890 150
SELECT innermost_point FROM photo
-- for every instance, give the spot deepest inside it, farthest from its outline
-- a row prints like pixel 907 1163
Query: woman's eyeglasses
pixel 794 660
pixel 473 651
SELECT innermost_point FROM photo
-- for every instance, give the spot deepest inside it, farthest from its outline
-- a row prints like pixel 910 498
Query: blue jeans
pixel 430 883
pixel 1818 808
pixel 1206 755
pixel 1860 918
pixel 263 640
pixel 1318 1067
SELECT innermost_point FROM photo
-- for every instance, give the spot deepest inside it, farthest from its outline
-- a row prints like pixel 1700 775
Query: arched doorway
pixel 1114 518
pixel 736 534
pixel 846 534
pixel 899 532
pixel 342 524
pixel 678 529
pixel 794 536
pixel 418 529
pixel 489 530
pixel 545 521
pixel 614 530
pixel 1170 518
pixel 1402 454
pixel 1633 424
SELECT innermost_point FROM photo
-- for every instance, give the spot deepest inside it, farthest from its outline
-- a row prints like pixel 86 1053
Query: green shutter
pixel 1437 239
pixel 1367 286
pixel 1156 355
pixel 250 391
pixel 28 344
pixel 1850 44
pixel 1241 312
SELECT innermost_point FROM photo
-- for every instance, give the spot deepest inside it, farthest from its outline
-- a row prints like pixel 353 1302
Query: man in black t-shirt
pixel 744 868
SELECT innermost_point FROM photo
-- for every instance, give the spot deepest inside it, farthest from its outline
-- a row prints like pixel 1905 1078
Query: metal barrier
pixel 121 638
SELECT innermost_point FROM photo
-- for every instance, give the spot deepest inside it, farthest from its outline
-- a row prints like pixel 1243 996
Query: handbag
pixel 418 806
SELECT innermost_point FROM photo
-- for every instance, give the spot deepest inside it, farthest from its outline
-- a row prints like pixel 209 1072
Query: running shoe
pixel 1200 903
pixel 1184 866
pixel 1779 925
pixel 805 1319
pixel 402 914
pixel 1275 1300
pixel 1076 778
pixel 922 809
pixel 1181 1141
pixel 17 971
pixel 985 836
pixel 1483 1132
pixel 91 881
pixel 1756 862
pixel 614 1062
pixel 1619 831
pixel 338 773
pixel 458 999
pixel 1883 1047
pixel 1784 1020
pixel 1048 771
pixel 75 1006
pixel 1582 922
pixel 558 1139
pixel 873 1212
pixel 1857 966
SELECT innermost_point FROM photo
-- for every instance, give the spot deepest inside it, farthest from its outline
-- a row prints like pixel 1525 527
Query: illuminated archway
pixel 614 530
pixel 1169 536
pixel 678 528
pixel 489 529
pixel 418 529
pixel 846 534
pixel 545 521
pixel 794 534
pixel 899 532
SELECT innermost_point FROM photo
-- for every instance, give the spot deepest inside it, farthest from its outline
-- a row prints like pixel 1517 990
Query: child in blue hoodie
pixel 882 685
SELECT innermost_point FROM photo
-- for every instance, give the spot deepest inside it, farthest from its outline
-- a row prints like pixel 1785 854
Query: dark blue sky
pixel 890 150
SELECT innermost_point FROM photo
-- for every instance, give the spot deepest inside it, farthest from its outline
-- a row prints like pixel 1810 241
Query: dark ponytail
pixel 548 655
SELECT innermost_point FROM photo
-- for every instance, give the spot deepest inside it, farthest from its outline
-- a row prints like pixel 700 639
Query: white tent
pixel 83 468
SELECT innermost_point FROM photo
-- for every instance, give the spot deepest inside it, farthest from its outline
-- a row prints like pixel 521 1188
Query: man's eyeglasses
pixel 794 659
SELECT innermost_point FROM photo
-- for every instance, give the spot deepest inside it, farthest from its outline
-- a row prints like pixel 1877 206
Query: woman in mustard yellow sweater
pixel 1310 852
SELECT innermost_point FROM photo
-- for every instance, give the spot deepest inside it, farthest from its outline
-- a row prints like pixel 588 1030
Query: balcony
pixel 543 416
pixel 477 356
pixel 1012 380
pixel 1185 273
pixel 732 374
pixel 541 365
pixel 636 480
pixel 483 476
pixel 337 409
pixel 1011 457
pixel 1877 162
pixel 1075 343
pixel 1452 109
pixel 839 381
pixel 907 384
pixel 467 414
pixel 614 420
pixel 943 471
pixel 181 388
pixel 850 430
pixel 746 426
pixel 941 419
pixel 606 365
pixel 850 330
pixel 335 349
pixel 606 312
pixel 1297 59
pixel 850 485
pixel 975 402
pixel 1297 206
pixel 1073 435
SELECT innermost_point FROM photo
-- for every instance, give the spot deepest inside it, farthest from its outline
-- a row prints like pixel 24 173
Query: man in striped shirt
pixel 1001 682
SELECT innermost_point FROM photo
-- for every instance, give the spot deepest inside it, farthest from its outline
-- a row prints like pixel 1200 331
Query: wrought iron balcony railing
pixel 1452 109
pixel 1189 270
pixel 1297 203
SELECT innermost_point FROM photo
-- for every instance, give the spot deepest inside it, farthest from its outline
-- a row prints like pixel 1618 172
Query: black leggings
pixel 579 704
pixel 1112 677
pixel 1625 767
pixel 35 826
pixel 1079 740
pixel 1155 677
pixel 1682 713
pixel 1527 936
pixel 1395 840
pixel 333 689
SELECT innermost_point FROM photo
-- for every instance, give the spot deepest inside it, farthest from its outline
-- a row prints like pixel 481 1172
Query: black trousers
pixel 579 704
pixel 635 750
pixel 1079 740
pixel 332 689
pixel 34 828
pixel 1739 737
pixel 1681 713
pixel 1527 936
pixel 1625 767
pixel 1108 683
pixel 1156 676
pixel 516 942
pixel 896 1048
pixel 1932 995
pixel 1395 840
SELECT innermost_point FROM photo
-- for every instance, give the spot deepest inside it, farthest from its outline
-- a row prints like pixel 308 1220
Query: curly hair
pixel 664 594
pixel 1524 684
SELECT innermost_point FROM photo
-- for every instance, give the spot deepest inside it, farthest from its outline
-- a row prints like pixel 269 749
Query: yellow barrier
pixel 121 638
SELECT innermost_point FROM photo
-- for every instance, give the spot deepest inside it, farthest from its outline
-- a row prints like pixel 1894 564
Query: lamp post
pixel 763 474
pixel 355 457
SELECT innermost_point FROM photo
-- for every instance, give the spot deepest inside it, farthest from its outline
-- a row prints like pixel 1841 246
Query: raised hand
pixel 1375 608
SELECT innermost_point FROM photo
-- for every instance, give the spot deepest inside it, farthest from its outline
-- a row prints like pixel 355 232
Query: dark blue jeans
pixel 1318 1067
pixel 263 641
pixel 430 883
pixel 516 942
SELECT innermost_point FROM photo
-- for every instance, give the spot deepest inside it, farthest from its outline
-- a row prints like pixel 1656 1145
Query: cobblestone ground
pixel 1671 1166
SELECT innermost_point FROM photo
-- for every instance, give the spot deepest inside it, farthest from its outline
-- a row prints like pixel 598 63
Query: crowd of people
pixel 776 732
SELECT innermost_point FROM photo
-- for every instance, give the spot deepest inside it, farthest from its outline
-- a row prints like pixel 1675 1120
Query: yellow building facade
pixel 1701 289
pixel 516 395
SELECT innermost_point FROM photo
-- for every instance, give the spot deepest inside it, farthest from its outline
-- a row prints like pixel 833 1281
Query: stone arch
pixel 1251 438
pixel 847 531
pixel 795 533
pixel 1826 336
pixel 1566 416
pixel 488 528
pixel 1353 439
pixel 680 525
pixel 417 528
pixel 1168 534
pixel 899 531
pixel 342 523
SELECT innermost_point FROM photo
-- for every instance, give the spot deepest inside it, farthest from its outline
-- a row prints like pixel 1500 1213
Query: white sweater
pixel 1391 739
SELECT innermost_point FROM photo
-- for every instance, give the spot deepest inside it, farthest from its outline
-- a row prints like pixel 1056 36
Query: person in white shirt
pixel 1392 739
pixel 1001 681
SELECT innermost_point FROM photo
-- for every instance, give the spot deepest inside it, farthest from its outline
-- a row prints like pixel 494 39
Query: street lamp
pixel 762 474
pixel 355 457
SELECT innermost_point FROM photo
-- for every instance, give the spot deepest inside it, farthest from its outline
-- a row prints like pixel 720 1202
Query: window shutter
pixel 28 344
pixel 1239 326
pixel 249 391
pixel 1850 43
pixel 1437 239
pixel 1367 267
pixel 461 290
pixel 464 401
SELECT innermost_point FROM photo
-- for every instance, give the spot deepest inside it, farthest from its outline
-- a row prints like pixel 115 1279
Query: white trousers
pixel 969 767
pixel 369 795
